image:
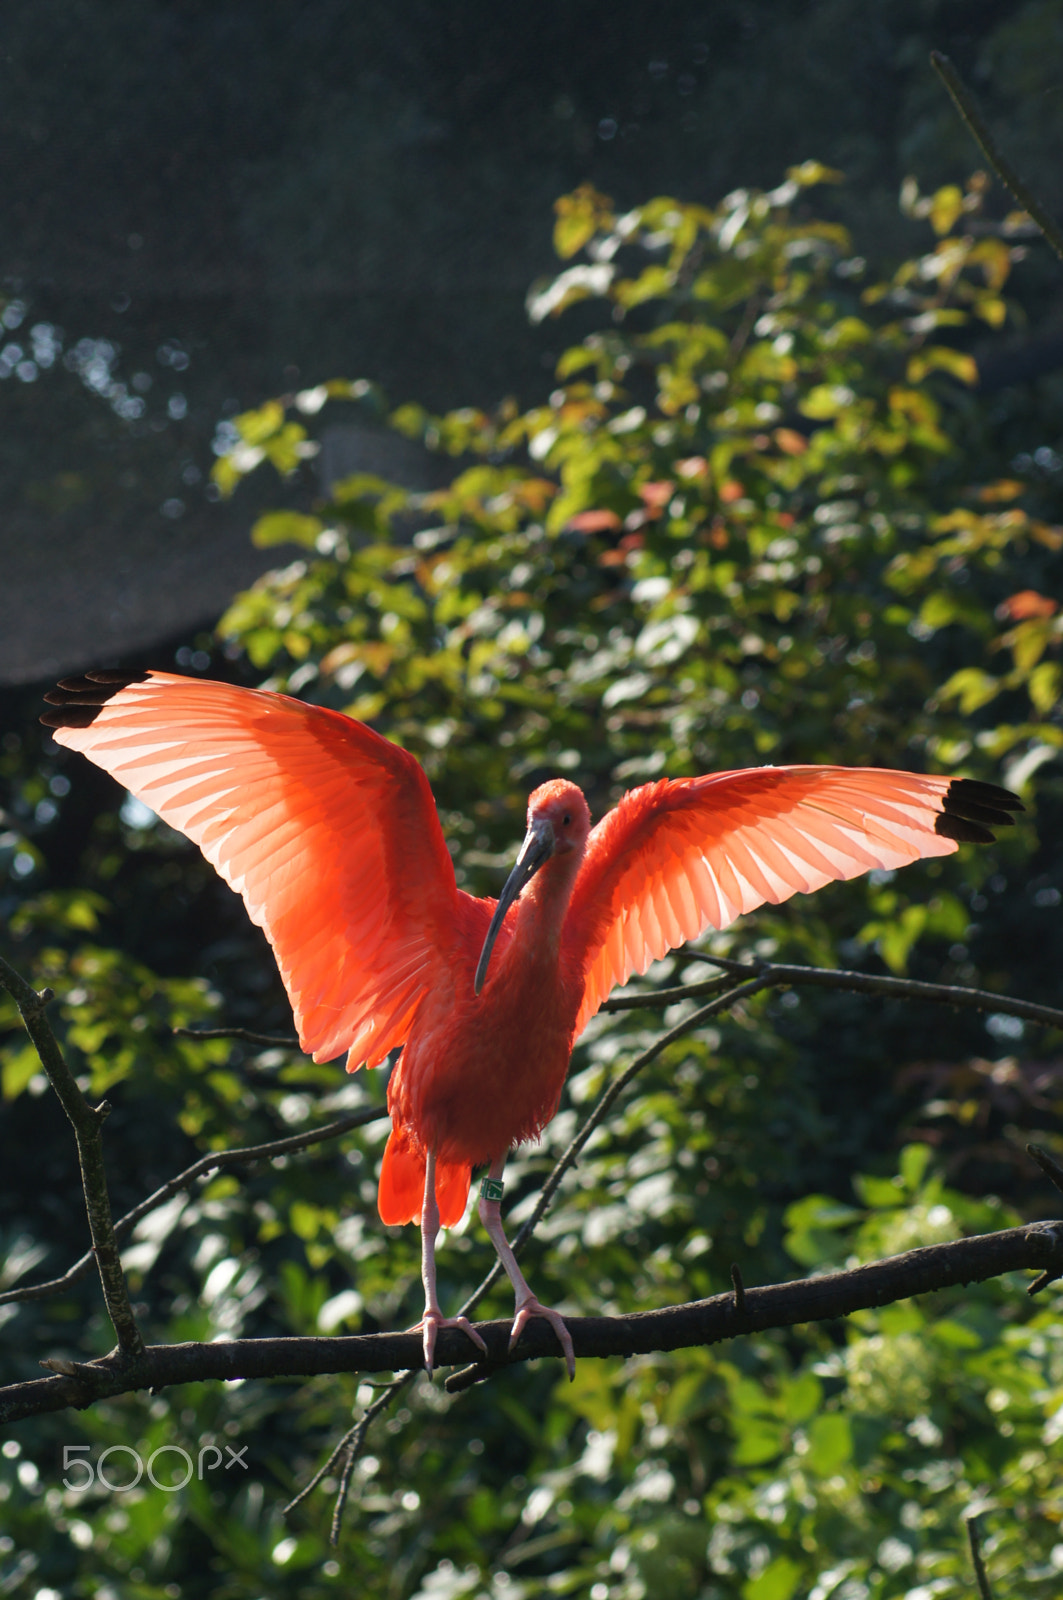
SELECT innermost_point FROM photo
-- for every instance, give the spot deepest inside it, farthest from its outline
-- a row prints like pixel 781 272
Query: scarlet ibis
pixel 329 832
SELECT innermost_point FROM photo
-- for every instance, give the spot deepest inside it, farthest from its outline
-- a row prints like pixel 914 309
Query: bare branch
pixel 87 1122
pixel 778 976
pixel 285 1042
pixel 1037 1246
pixel 965 104
pixel 974 1538
pixel 356 1443
pixel 1048 1166
pixel 667 997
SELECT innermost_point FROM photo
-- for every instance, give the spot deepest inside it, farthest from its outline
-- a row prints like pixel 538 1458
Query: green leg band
pixel 491 1189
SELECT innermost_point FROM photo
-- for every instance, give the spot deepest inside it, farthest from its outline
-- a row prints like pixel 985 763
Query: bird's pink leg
pixel 433 1318
pixel 528 1305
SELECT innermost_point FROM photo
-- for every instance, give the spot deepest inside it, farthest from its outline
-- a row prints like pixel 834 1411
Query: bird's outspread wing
pixel 677 856
pixel 327 830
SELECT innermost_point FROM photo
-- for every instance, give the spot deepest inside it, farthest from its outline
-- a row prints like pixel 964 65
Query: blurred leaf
pixel 830 1443
pixel 580 215
pixel 778 1581
pixel 286 527
pixel 256 427
pixel 17 1067
pixel 942 358
pixel 946 207
pixel 816 1226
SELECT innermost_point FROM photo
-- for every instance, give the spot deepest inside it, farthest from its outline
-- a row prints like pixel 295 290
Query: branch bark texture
pixel 1035 1247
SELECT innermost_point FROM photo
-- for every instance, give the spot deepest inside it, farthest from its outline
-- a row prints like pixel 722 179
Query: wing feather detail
pixel 678 856
pixel 327 830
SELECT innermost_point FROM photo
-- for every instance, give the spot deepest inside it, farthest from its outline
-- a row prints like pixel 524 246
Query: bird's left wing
pixel 327 830
pixel 677 856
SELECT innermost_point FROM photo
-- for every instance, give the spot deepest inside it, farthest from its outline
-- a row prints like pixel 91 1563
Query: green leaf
pixel 830 1443
pixel 777 1582
pixel 946 207
pixel 943 358
pixel 287 447
pixel 814 1225
pixel 1044 684
pixel 812 172
pixel 825 400
pixel 954 1334
pixel 800 1397
pixel 579 216
pixel 895 937
pixel 17 1067
pixel 758 1439
pixel 286 527
pixel 255 427
pixel 972 687
pixel 915 1158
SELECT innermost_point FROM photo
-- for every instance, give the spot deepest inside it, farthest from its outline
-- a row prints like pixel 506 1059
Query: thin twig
pixel 966 105
pixel 666 997
pixel 352 1442
pixel 248 1037
pixel 945 994
pixel 357 1438
pixel 87 1123
pixel 1047 1164
pixel 1054 1172
pixel 974 1537
pixel 214 1162
pixel 739 1289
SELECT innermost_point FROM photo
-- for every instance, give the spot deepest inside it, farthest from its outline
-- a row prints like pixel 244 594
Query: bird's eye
pixel 565 820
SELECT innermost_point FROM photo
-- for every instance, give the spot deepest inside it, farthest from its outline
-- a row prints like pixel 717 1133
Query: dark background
pixel 242 198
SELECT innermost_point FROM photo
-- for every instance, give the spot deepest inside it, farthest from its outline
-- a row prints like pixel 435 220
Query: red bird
pixel 330 834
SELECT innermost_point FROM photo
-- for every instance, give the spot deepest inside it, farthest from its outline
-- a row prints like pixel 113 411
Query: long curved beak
pixel 537 848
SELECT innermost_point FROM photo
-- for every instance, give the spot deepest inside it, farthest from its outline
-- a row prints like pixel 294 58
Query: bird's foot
pixel 430 1324
pixel 531 1307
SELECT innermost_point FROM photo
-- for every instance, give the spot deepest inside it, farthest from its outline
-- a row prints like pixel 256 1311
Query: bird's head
pixel 558 825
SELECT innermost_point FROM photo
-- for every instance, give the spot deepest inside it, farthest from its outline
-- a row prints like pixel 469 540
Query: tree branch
pixel 1036 1247
pixel 87 1122
pixel 772 975
pixel 277 1042
pixel 974 1539
pixel 965 104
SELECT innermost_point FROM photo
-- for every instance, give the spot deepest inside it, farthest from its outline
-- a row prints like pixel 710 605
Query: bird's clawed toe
pixel 430 1325
pixel 532 1307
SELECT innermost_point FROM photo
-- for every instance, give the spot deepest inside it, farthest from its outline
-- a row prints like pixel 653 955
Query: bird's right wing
pixel 678 856
pixel 327 830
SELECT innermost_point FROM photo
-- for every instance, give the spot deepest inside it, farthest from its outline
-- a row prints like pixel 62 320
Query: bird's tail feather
pixel 401 1192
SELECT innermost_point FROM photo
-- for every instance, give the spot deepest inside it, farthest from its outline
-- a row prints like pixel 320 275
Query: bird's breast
pixel 480 1074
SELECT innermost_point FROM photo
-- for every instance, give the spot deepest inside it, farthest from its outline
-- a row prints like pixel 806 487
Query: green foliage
pixel 742 528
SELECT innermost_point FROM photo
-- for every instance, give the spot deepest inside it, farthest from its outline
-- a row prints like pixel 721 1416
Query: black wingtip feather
pixel 79 701
pixel 970 810
pixel 961 829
